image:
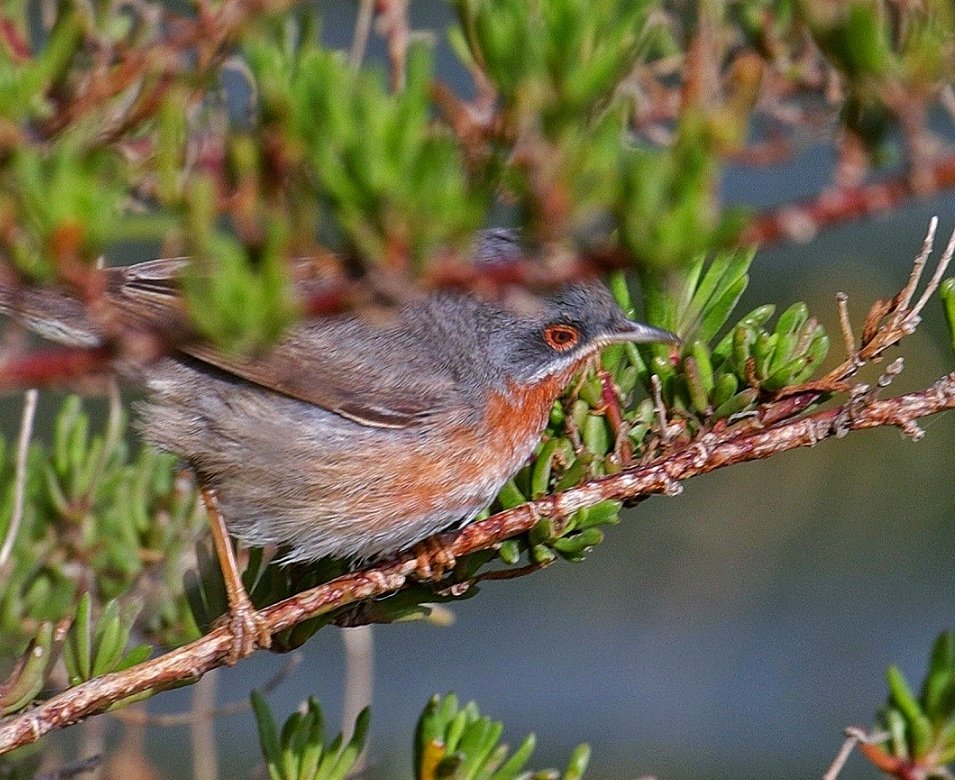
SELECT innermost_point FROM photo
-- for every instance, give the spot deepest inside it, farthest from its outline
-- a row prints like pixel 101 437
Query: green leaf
pixel 135 656
pixel 714 314
pixel 726 387
pixel 946 292
pixel 901 694
pixel 696 386
pixel 575 547
pixel 268 736
pixel 349 754
pixel 942 659
pixel 754 320
pixel 314 742
pixel 80 640
pixel 740 402
pixel 578 762
pixel 896 724
pixel 109 640
pixel 744 338
pixel 509 769
pixel 510 552
pixel 554 449
pixel 596 434
pixel 30 673
pixel 786 374
pixel 923 735
pixel 604 513
pixel 510 496
pixel 430 728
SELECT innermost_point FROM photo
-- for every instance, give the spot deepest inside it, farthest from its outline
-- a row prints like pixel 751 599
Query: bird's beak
pixel 637 332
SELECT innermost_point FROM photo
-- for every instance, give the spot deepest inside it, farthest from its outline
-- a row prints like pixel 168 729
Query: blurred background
pixel 730 632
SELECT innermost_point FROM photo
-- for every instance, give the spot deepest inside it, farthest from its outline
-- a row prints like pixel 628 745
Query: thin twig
pixel 72 770
pixel 20 477
pixel 56 364
pixel 396 29
pixel 138 717
pixel 853 738
pixel 901 321
pixel 366 12
pixel 509 574
pixel 802 221
pixel 53 365
pixel 622 447
pixel 918 267
pixel 936 279
pixel 205 764
pixel 888 376
pixel 848 339
pixel 660 408
pixel 92 743
pixel 359 680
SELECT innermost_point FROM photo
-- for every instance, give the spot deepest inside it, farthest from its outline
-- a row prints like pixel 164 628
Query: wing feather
pixel 366 370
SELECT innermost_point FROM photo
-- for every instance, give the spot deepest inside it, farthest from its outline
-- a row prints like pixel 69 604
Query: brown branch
pixel 518 268
pixel 83 766
pixel 147 342
pixel 709 452
pixel 802 221
pixel 193 46
pixel 855 735
pixel 140 717
pixel 20 476
pixel 396 28
pixel 55 364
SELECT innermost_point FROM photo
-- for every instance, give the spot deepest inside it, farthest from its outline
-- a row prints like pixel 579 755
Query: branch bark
pixel 835 206
pixel 708 452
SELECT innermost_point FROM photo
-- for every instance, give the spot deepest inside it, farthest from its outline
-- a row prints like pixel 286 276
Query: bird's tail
pixel 50 313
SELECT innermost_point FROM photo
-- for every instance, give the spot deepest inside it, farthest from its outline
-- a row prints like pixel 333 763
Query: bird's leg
pixel 433 559
pixel 246 624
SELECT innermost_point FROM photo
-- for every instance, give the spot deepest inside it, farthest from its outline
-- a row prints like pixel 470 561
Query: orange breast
pixel 516 418
pixel 464 475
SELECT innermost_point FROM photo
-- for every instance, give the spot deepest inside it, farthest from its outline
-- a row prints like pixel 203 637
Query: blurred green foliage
pixel 451 743
pixel 556 62
pixel 94 648
pixel 890 58
pixel 298 751
pixel 458 743
pixel 97 518
pixel 918 731
pixel 393 181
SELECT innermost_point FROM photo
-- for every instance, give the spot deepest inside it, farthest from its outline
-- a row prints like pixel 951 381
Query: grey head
pixel 561 331
pixel 565 330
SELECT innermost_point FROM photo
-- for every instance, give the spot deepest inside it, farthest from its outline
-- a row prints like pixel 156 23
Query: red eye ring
pixel 561 338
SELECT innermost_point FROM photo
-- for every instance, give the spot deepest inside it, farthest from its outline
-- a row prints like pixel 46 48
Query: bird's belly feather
pixel 295 475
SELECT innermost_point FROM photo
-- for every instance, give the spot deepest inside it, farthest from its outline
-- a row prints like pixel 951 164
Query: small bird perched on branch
pixel 354 436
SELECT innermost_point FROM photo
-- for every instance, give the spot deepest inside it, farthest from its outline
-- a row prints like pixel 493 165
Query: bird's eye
pixel 561 337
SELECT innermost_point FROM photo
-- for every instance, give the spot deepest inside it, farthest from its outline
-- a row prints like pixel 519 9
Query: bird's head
pixel 567 328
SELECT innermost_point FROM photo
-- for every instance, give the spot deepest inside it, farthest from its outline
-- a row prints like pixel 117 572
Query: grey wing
pixel 370 371
pixel 357 370
pixel 149 294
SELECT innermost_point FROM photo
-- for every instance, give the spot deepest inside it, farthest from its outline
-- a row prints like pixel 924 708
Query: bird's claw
pixel 433 559
pixel 248 629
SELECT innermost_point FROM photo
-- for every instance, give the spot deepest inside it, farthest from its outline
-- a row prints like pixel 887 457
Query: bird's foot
pixel 248 629
pixel 247 626
pixel 433 559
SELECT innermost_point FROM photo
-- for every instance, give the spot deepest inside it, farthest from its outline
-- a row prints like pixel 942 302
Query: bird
pixel 356 435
